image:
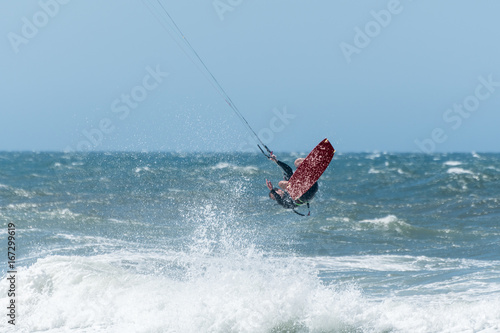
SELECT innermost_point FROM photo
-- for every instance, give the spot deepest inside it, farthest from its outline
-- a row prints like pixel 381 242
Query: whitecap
pixel 383 220
pixel 250 169
pixel 142 169
pixel 460 171
pixel 17 191
pixel 225 165
pixel 373 156
pixel 452 163
pixel 387 223
pixel 22 206
pixel 493 168
pixel 61 213
pixel 221 165
pixel 389 263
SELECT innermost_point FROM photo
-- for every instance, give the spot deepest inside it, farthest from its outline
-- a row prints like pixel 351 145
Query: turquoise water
pixel 130 242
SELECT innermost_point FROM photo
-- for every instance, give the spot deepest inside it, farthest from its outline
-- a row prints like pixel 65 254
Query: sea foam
pixel 237 293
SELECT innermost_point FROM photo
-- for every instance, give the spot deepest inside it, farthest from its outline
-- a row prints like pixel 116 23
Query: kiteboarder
pixel 281 195
pixel 306 187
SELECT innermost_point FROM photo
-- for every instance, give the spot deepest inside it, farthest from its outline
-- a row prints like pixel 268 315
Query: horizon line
pixel 338 152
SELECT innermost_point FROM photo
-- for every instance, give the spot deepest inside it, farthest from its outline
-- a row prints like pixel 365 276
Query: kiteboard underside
pixel 311 169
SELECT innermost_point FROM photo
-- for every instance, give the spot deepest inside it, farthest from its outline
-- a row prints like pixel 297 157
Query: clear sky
pixel 370 75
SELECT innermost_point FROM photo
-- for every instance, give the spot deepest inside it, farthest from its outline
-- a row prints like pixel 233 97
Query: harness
pixel 300 203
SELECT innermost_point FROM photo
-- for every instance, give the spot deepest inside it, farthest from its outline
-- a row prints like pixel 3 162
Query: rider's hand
pixel 273 157
pixel 269 185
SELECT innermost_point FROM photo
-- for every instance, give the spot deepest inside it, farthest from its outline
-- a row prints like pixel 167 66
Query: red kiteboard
pixel 311 169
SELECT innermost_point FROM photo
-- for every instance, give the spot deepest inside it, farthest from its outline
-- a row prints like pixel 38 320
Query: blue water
pixel 153 242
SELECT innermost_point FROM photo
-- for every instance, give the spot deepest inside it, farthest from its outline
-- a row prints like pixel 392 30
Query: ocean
pixel 172 242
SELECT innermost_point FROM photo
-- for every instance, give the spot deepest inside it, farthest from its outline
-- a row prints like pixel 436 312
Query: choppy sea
pixel 166 242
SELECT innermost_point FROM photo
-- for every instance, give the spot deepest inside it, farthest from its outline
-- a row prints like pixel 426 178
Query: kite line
pixel 156 7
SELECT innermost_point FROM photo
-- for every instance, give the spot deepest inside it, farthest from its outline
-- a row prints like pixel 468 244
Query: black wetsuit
pixel 286 201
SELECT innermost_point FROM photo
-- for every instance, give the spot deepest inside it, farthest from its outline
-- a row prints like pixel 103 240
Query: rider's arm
pixel 287 171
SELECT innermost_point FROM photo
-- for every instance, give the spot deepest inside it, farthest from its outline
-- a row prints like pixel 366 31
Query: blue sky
pixel 371 76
